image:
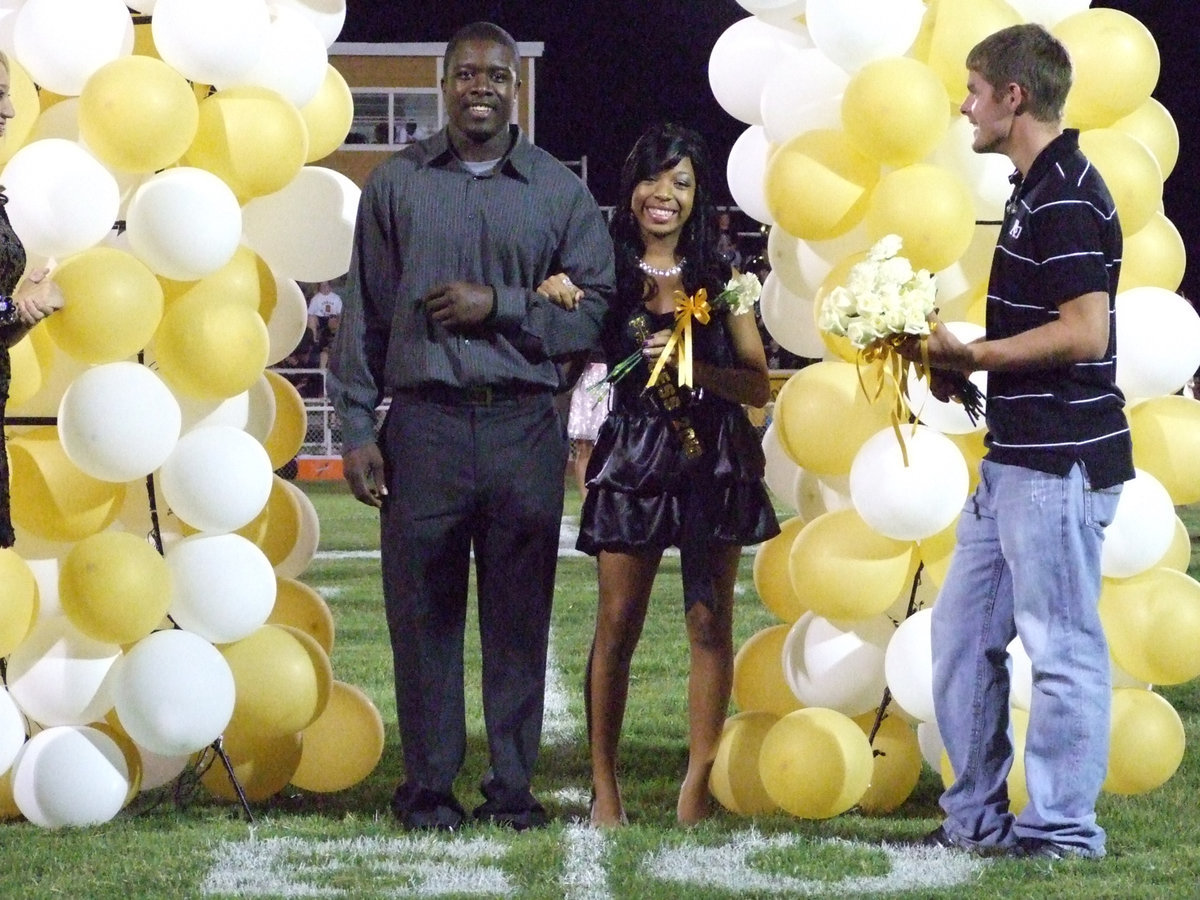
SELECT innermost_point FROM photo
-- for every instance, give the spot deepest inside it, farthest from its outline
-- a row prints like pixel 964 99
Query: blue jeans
pixel 1027 563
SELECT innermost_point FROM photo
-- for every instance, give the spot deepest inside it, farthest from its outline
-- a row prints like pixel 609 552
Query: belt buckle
pixel 481 395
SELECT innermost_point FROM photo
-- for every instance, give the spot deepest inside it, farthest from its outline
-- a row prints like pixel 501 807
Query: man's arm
pixel 1079 334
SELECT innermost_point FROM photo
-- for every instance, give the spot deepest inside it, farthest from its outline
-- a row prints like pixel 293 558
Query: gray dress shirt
pixel 424 220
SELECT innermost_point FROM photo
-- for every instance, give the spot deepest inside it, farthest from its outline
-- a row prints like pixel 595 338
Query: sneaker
pixel 940 839
pixel 1037 848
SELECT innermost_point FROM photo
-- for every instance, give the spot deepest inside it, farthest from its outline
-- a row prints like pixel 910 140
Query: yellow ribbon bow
pixel 686 308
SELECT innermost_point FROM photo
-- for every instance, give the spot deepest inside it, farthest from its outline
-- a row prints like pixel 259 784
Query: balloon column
pixel 853 133
pixel 194 123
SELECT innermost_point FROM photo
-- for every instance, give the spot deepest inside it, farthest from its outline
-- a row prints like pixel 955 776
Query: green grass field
pixel 181 843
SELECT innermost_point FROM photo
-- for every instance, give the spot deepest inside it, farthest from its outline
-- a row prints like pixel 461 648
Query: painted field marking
pixel 423 866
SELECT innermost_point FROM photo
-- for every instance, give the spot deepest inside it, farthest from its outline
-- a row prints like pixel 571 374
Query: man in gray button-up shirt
pixel 454 233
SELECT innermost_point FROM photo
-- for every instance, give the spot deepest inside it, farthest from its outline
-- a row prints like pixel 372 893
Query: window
pixel 393 117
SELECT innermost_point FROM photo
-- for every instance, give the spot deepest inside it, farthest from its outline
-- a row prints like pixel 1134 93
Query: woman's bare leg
pixel 710 637
pixel 625 583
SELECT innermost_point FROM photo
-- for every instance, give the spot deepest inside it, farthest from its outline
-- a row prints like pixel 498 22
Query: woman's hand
pixel 37 297
pixel 653 348
pixel 561 291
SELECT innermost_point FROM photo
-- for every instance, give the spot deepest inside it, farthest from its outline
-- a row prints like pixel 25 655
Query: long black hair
pixel 661 147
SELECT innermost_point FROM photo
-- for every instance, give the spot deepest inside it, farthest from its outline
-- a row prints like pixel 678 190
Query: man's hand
pixel 459 305
pixel 363 470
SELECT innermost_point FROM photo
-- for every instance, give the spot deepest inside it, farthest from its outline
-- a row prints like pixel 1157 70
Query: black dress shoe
pixel 492 813
pixel 420 809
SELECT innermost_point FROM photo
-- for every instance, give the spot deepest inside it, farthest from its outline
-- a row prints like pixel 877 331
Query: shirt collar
pixel 1066 144
pixel 518 162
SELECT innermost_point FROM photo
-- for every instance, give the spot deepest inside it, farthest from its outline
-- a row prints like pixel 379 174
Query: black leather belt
pixel 476 395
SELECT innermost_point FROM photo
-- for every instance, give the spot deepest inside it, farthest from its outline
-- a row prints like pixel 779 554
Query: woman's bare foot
pixel 694 803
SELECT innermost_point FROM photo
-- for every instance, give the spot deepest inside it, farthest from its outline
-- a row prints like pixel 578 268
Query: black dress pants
pixel 466 475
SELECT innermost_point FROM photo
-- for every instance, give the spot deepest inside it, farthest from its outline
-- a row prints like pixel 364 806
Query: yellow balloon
pixel 771 578
pixel 252 138
pixel 137 114
pixel 1166 443
pixel 211 350
pixel 1130 171
pixel 1146 742
pixel 51 497
pixel 758 680
pixel 930 208
pixel 1152 622
pixel 263 765
pixel 957 26
pixel 936 551
pixel 815 763
pixel 8 806
pixel 328 116
pixel 300 606
pixel 1179 554
pixel 245 279
pixel 282 678
pixel 30 357
pixel 973 450
pixel 735 780
pixel 897 766
pixel 1152 124
pixel 113 306
pixel 1115 62
pixel 817 185
pixel 274 530
pixel 345 743
pixel 19 590
pixel 844 569
pixel 896 110
pixel 28 105
pixel 1153 256
pixel 824 416
pixel 291 421
pixel 114 587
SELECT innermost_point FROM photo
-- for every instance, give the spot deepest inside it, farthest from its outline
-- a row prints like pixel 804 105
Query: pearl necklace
pixel 661 273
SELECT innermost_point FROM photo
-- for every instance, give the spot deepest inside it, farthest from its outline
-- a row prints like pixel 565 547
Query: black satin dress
pixel 12 266
pixel 651 486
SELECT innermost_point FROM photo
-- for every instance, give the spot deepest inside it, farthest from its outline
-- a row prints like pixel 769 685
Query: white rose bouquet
pixel 883 302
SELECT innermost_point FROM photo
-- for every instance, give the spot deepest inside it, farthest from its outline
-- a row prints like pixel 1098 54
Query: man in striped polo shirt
pixel 1027 561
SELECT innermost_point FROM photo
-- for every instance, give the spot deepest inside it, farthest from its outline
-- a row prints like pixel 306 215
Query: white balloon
pixel 8 20
pixel 740 62
pixel 908 665
pixel 827 666
pixel 288 320
pixel 745 170
pixel 70 776
pixel 929 739
pixel 174 692
pixel 984 174
pixel 908 502
pixel 1158 342
pixel 1142 529
pixel 327 15
pixel 61 199
pixel 157 769
pixel 217 478
pixel 818 494
pixel 1020 689
pixel 781 471
pixel 802 92
pixel 261 412
pixel 184 223
pixel 293 61
pixel 852 33
pixel 946 416
pixel 142 6
pixel 61 43
pixel 223 586
pixel 58 675
pixel 12 730
pixel 210 41
pixel 1048 12
pixel 305 231
pixel 118 421
pixel 782 254
pixel 308 537
pixel 789 319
